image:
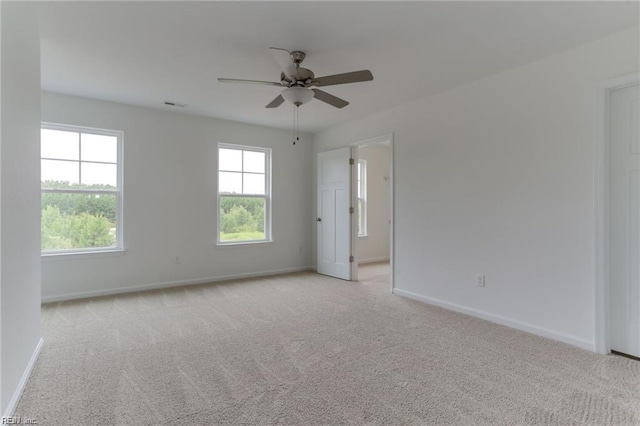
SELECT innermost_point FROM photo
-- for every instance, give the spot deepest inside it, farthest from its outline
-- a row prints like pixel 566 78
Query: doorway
pixel 350 210
pixel 373 228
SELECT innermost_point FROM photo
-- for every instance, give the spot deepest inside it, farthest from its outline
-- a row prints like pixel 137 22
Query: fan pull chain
pixel 296 125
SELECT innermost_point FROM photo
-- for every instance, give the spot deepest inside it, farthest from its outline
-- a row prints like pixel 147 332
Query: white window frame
pixel 267 197
pixel 119 247
pixel 362 184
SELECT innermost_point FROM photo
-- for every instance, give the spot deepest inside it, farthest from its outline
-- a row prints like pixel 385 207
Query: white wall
pixel 19 199
pixel 497 177
pixel 375 246
pixel 170 184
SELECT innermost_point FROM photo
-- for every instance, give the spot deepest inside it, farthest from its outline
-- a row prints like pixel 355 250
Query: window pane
pixel 59 144
pixel 59 174
pixel 99 148
pixel 360 179
pixel 78 221
pixel 360 217
pixel 242 219
pixel 97 174
pixel 230 160
pixel 253 161
pixel 230 183
pixel 253 184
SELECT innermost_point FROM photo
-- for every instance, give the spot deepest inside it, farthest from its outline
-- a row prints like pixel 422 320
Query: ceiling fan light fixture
pixel 297 95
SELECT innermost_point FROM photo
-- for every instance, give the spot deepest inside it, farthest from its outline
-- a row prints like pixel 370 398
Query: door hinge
pixel 351 161
pixel 351 210
pixel 351 259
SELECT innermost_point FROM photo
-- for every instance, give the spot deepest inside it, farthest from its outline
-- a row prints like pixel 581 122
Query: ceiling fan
pixel 300 83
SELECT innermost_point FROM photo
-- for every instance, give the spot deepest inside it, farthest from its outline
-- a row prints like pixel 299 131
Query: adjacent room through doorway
pixel 373 193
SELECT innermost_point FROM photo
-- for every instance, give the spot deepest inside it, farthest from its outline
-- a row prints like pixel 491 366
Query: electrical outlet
pixel 480 280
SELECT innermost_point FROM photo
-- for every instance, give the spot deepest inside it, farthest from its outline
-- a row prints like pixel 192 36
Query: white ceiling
pixel 144 53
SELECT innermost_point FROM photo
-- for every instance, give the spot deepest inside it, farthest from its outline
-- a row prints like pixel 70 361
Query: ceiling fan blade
pixel 348 77
pixel 235 80
pixel 276 102
pixel 283 58
pixel 330 99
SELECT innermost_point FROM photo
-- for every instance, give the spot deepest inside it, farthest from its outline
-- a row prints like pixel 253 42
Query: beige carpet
pixel 307 349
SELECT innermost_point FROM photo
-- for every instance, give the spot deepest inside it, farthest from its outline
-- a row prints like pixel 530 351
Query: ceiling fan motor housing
pixel 303 78
pixel 305 74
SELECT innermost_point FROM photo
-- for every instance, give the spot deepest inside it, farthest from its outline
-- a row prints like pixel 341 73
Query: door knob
pixel 319 219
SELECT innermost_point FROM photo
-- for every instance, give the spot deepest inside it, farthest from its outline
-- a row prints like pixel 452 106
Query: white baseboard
pixel 13 403
pixel 373 260
pixel 154 286
pixel 550 334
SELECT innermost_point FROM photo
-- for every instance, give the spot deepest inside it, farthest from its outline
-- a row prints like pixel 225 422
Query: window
pixel 362 198
pixel 244 194
pixel 81 186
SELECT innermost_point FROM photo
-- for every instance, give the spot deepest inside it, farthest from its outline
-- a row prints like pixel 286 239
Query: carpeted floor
pixel 306 349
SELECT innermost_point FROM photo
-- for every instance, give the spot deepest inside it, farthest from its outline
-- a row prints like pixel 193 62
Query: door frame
pixel 388 137
pixel 602 211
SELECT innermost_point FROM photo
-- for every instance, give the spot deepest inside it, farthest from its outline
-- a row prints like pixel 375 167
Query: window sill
pixel 52 256
pixel 243 243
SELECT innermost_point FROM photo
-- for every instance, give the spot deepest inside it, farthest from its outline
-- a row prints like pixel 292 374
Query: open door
pixel 624 136
pixel 334 218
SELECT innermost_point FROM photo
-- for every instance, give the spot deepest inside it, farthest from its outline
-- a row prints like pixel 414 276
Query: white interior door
pixel 624 118
pixel 334 218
